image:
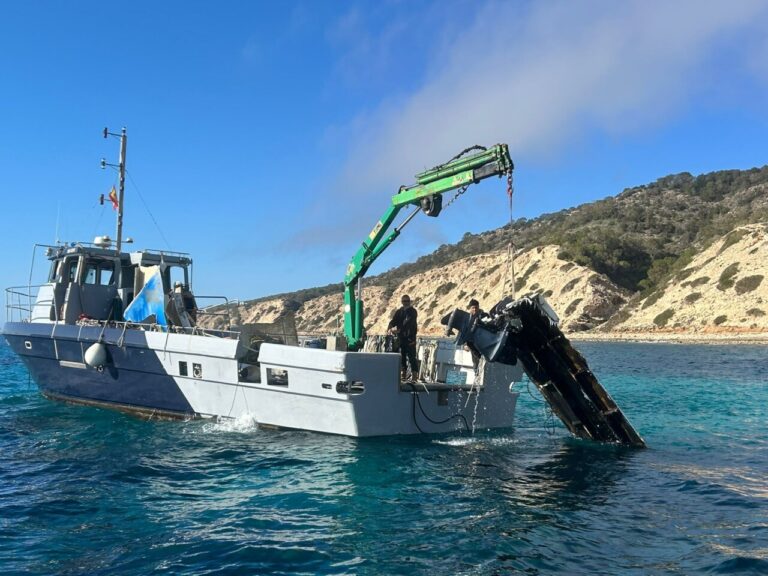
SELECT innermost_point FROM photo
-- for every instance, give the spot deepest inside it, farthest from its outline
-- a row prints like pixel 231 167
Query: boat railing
pixel 21 300
pixel 193 330
pixel 125 326
pixel 219 309
pixel 165 252
pixel 84 244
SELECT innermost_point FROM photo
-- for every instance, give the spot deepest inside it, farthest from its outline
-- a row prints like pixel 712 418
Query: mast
pixel 123 144
pixel 121 194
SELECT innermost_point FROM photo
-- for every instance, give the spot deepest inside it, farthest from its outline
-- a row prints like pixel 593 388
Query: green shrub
pixel 547 294
pixel 662 319
pixel 683 274
pixel 756 312
pixel 443 289
pixel 699 281
pixel 567 266
pixel 720 319
pixel 616 319
pixel 652 299
pixel 330 314
pixel 732 239
pixel 520 282
pixel 570 286
pixel 572 306
pixel 726 278
pixel 692 297
pixel 748 284
pixel 489 271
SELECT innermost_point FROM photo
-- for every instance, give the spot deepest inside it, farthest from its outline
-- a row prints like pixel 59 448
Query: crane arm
pixel 426 196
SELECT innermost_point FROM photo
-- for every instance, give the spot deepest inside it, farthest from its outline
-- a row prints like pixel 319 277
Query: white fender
pixel 96 355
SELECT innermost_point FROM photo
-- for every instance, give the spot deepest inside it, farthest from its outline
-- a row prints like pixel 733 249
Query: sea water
pixel 90 491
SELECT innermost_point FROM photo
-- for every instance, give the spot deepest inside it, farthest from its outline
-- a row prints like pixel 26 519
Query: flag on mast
pixel 113 198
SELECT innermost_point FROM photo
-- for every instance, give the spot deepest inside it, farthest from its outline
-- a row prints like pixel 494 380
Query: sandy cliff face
pixel 723 290
pixel 581 297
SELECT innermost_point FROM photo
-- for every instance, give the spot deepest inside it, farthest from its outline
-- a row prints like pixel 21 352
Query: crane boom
pixel 426 196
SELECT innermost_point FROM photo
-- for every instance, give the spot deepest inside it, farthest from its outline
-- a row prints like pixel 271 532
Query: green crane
pixel 426 196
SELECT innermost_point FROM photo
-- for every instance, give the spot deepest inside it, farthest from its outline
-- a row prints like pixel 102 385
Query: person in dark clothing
pixel 404 324
pixel 476 314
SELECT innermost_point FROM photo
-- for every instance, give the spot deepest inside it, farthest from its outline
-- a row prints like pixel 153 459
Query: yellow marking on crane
pixel 375 230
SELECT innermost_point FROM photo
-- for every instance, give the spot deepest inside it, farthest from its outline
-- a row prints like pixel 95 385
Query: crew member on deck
pixel 404 324
pixel 476 314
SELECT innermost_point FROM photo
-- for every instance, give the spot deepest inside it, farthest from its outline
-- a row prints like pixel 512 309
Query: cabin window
pixel 71 270
pixel 101 273
pixel 177 274
pixel 90 273
pixel 106 273
pixel 127 277
pixel 277 377
pixel 54 271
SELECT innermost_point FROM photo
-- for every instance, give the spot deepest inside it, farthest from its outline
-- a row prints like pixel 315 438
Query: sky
pixel 267 138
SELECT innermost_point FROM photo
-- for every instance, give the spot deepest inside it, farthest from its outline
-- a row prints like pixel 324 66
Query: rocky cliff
pixel 582 298
pixel 722 290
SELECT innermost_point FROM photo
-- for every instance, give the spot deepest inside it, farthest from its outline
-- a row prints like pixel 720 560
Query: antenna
pixel 58 215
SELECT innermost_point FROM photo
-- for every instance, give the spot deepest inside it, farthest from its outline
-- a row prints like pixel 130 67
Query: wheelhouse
pixel 95 282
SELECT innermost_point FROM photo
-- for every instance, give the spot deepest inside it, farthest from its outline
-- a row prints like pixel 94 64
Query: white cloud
pixel 539 77
pixel 616 66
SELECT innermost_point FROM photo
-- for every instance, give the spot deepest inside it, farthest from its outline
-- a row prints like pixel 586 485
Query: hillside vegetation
pixel 682 255
pixel 637 239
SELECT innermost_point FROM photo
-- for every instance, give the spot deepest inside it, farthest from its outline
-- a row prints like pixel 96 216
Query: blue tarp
pixel 148 302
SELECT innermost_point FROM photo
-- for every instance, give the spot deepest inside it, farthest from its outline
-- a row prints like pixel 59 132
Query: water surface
pixel 89 491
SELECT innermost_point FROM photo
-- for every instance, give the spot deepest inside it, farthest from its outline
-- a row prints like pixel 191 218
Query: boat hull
pixel 141 374
pixel 169 375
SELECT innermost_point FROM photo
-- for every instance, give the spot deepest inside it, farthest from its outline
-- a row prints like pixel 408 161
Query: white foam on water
pixel 495 441
pixel 241 424
pixel 502 440
pixel 456 441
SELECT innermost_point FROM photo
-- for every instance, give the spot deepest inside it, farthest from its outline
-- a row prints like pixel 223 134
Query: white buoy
pixel 96 355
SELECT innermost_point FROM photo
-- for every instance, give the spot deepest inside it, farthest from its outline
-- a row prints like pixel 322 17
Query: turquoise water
pixel 89 491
